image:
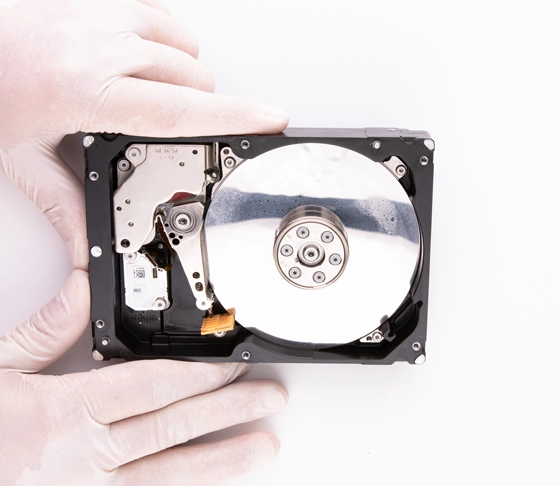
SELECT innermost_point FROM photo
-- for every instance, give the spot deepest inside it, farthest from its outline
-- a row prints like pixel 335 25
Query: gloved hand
pixel 117 66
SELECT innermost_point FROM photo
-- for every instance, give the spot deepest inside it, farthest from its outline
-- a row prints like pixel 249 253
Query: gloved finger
pixel 159 27
pixel 49 333
pixel 40 172
pixel 169 65
pixel 145 386
pixel 140 107
pixel 157 4
pixel 186 419
pixel 201 464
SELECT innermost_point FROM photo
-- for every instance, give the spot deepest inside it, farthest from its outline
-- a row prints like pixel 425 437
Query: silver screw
pixel 302 232
pixel 420 359
pixel 93 176
pixel 160 304
pixel 246 355
pixel 245 144
pixel 401 170
pixel 416 346
pixel 96 251
pixel 133 153
pixel 335 259
pixel 105 341
pixel 295 272
pixel 318 277
pixel 229 162
pixel 220 334
pixel 376 145
pixel 97 356
pixel 183 221
pixel 286 250
pixel 429 143
pixel 424 160
pixel 131 224
pixel 100 324
pixel 130 257
pixel 124 165
pixel 377 337
pixel 88 140
pixel 327 237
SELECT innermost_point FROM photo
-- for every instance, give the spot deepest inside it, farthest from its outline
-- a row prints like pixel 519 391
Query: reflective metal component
pixel 245 144
pixel 134 154
pixel 319 277
pixel 376 145
pixel 381 229
pixel 395 166
pixel 400 170
pixel 145 287
pixel 97 356
pixel 181 219
pixel 182 225
pixel 229 162
pixel 158 176
pixel 421 359
pixel 226 154
pixel 88 140
pixel 373 337
pixel 316 233
pixel 424 160
pixel 430 144
pixel 335 259
pixel 96 251
pixel 311 254
pixel 160 304
pixel 246 355
pixel 93 176
pixel 294 272
pixel 124 165
pixel 105 340
pixel 416 346
pixel 99 324
pixel 220 334
pixel 286 250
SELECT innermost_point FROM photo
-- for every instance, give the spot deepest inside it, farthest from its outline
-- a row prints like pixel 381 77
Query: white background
pixel 482 78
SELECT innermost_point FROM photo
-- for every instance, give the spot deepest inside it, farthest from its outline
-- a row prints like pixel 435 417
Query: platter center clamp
pixel 311 247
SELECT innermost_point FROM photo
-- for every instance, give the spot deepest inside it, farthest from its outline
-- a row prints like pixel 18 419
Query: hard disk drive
pixel 311 245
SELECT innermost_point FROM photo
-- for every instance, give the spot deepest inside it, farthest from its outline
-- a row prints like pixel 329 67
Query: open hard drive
pixel 311 245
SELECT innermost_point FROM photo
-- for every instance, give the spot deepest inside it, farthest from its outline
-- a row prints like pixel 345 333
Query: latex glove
pixel 123 66
pixel 110 65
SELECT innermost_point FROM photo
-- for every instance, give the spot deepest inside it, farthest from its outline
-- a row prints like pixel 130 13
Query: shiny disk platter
pixel 311 245
pixel 368 255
